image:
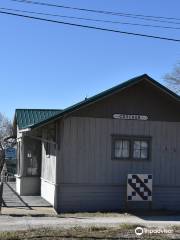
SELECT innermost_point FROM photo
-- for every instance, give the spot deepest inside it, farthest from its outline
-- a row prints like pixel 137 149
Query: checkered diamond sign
pixel 139 187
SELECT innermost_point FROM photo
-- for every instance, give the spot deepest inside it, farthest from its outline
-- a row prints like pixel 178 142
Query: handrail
pixel 1 193
pixel 2 176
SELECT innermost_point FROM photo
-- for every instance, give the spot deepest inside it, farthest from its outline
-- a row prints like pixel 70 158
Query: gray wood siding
pixel 89 180
pixel 86 156
pixel 80 197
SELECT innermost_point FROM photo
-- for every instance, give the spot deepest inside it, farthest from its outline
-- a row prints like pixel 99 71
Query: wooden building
pixel 79 158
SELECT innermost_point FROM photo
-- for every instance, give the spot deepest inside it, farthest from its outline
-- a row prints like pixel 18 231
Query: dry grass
pixel 118 214
pixel 125 231
pixel 92 214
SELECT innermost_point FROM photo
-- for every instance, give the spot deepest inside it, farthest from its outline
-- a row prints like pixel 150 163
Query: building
pixel 79 158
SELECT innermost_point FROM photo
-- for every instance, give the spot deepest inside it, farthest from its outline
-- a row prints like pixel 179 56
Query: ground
pixel 89 226
pixel 13 204
pixel 31 217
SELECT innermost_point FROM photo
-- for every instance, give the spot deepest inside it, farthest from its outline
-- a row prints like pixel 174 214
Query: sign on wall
pixel 10 153
pixel 130 117
pixel 139 187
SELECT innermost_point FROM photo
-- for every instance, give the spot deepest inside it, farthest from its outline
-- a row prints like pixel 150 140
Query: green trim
pixel 105 94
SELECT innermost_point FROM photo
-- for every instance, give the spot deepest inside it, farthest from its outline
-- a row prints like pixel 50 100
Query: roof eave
pixel 24 130
pixel 107 93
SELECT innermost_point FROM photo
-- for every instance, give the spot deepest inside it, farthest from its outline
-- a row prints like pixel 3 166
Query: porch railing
pixel 8 177
pixel 2 180
pixel 1 193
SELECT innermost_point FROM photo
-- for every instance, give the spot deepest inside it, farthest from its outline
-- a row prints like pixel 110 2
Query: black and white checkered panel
pixel 139 187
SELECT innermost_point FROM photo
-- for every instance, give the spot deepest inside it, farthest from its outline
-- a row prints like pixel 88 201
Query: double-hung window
pixel 131 147
pixel 122 148
pixel 140 149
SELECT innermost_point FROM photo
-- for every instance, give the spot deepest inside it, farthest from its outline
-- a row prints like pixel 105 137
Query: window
pixel 49 135
pixel 32 157
pixel 131 147
pixel 32 165
pixel 122 148
pixel 48 149
pixel 140 149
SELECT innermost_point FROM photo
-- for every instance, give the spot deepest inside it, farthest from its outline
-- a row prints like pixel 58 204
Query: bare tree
pixel 173 78
pixel 6 130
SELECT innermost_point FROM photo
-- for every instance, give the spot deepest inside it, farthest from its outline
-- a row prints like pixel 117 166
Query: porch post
pixel 22 171
pixel 21 166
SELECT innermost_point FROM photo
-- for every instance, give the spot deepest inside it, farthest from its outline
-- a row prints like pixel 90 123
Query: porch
pixel 14 204
pixel 36 163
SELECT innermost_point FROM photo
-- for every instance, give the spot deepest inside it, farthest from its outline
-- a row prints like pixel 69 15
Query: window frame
pixel 131 139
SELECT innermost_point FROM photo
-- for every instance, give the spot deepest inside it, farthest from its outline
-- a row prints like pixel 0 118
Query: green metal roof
pixel 102 95
pixel 26 118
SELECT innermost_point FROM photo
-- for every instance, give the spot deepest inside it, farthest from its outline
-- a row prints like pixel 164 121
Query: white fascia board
pixel 25 130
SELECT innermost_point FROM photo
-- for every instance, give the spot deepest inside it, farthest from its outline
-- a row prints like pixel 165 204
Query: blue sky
pixel 45 65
